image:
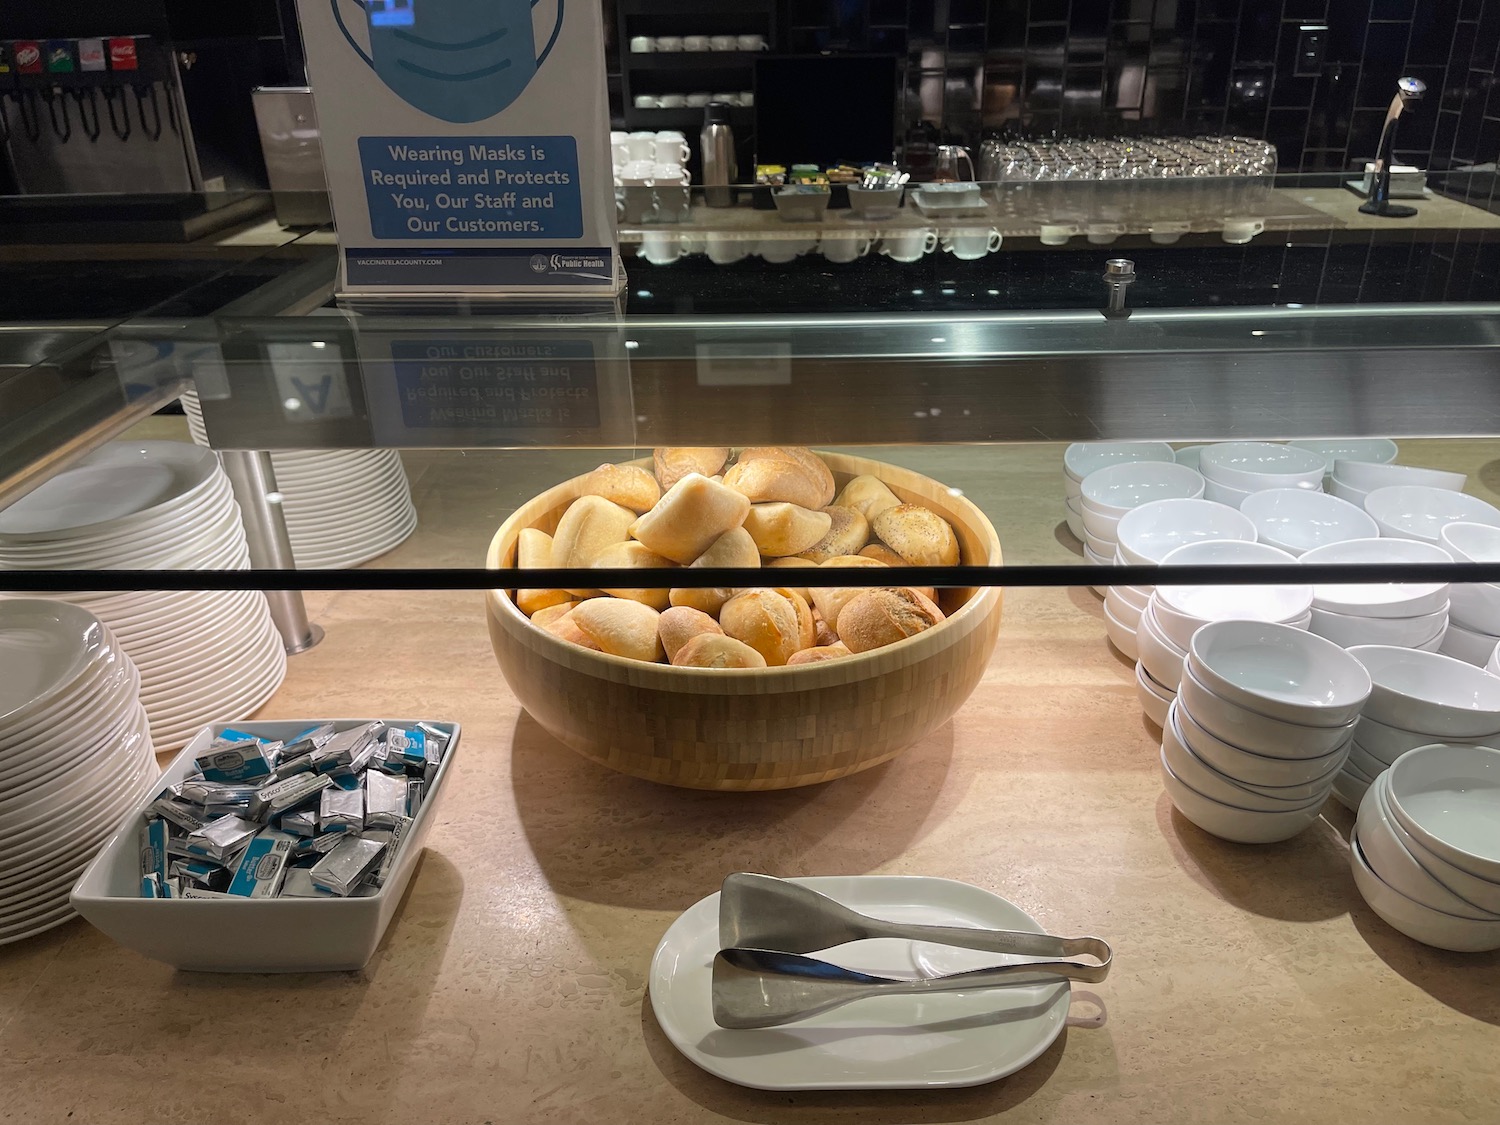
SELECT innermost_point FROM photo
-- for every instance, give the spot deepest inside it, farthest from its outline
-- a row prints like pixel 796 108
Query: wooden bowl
pixel 762 728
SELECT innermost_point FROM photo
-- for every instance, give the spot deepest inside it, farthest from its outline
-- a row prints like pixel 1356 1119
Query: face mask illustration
pixel 457 60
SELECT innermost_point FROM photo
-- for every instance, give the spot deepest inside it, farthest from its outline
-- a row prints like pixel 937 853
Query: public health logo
pixel 540 263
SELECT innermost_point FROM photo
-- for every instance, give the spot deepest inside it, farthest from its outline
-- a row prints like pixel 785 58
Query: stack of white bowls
pixel 343 507
pixel 75 756
pixel 1175 613
pixel 1353 480
pixel 1237 469
pixel 1415 511
pixel 1378 451
pixel 1419 698
pixel 1407 614
pixel 1082 458
pixel 1426 848
pixel 1474 619
pixel 1145 536
pixel 1256 736
pixel 1109 493
pixel 1298 519
pixel 157 505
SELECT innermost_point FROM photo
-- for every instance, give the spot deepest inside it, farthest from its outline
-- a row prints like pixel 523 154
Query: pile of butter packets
pixel 321 815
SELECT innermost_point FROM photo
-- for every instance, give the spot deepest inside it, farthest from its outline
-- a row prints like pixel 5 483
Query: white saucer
pixel 948 1039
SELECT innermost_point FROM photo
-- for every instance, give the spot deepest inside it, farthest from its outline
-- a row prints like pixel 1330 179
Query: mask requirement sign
pixel 466 144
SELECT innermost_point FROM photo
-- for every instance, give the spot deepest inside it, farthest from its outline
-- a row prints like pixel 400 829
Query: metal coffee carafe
pixel 950 164
pixel 717 148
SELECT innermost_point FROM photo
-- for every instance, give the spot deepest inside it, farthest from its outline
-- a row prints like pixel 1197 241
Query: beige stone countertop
pixel 1250 983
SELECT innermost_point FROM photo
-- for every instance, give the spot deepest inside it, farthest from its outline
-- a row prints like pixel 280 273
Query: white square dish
pixel 272 935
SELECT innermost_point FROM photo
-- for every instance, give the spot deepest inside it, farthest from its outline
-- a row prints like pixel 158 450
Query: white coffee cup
pixel 642 45
pixel 638 172
pixel 670 150
pixel 698 101
pixel 619 148
pixel 695 43
pixel 636 202
pixel 661 247
pixel 750 42
pixel 1240 231
pixel 845 247
pixel 641 145
pixel 724 249
pixel 646 101
pixel 672 101
pixel 729 98
pixel 747 97
pixel 972 244
pixel 669 172
pixel 909 245
pixel 781 250
pixel 724 43
pixel 669 43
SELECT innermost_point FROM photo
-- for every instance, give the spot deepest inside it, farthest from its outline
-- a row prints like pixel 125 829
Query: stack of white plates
pixel 1236 469
pixel 1419 698
pixel 1408 614
pixel 75 755
pixel 158 505
pixel 1082 458
pixel 1426 848
pixel 343 506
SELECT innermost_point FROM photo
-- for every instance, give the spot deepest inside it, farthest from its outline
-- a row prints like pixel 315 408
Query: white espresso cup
pixel 669 43
pixel 638 172
pixel 642 45
pixel 669 172
pixel 747 97
pixel 672 101
pixel 661 247
pixel 646 101
pixel 724 249
pixel 909 245
pixel 698 101
pixel 641 145
pixel 619 148
pixel 728 98
pixel 972 244
pixel 750 42
pixel 723 43
pixel 781 250
pixel 670 150
pixel 695 43
pixel 845 247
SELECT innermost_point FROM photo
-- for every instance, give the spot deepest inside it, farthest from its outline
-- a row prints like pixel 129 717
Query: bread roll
pixel 881 553
pixel 823 633
pixel 847 534
pixel 675 462
pixel 631 555
pixel 816 468
pixel 785 529
pixel 769 480
pixel 534 552
pixel 830 600
pixel 709 650
pixel 686 521
pixel 706 599
pixel 567 629
pixel 868 495
pixel 792 562
pixel 620 627
pixel 590 524
pixel 818 654
pixel 627 485
pixel 881 617
pixel 919 535
pixel 806 631
pixel 769 622
pixel 735 548
pixel 544 617
pixel 680 624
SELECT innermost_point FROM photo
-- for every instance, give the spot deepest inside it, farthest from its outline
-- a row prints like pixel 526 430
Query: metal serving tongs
pixel 765 924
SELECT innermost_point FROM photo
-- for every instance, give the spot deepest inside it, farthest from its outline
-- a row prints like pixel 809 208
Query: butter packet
pixel 262 865
pixel 347 866
pixel 154 841
pixel 342 810
pixel 228 761
pixel 385 799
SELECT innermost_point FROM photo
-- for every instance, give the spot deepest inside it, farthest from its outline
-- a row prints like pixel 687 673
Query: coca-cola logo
pixel 28 56
pixel 122 54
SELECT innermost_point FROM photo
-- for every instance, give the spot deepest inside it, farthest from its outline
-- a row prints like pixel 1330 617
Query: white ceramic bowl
pixel 1349 630
pixel 1122 636
pixel 1430 927
pixel 1349 790
pixel 1367 476
pixel 1346 491
pixel 1082 458
pixel 1280 672
pixel 1448 797
pixel 1224 494
pixel 1161 657
pixel 1366 763
pixel 1297 520
pixel 1188 607
pixel 276 935
pixel 1154 699
pixel 1420 512
pixel 1467 645
pixel 1096 559
pixel 1481 892
pixel 1243 826
pixel 1387 743
pixel 1381 451
pixel 1259 734
pixel 1294 777
pixel 1398 868
pixel 1116 489
pixel 1429 692
pixel 1379 599
pixel 1476 606
pixel 1136 597
pixel 1188 455
pixel 1101 545
pixel 1149 533
pixel 1257 465
pixel 1198 774
pixel 1074 520
pixel 1492 665
pixel 1121 610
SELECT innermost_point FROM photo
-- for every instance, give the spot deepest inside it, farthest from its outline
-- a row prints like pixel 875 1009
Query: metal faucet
pixel 1379 203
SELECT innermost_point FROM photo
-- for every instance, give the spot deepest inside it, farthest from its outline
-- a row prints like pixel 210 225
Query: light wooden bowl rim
pixel 736 681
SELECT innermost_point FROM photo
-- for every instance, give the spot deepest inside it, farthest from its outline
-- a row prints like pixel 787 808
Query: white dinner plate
pixel 358 544
pixel 372 505
pixel 44 648
pixel 886 1042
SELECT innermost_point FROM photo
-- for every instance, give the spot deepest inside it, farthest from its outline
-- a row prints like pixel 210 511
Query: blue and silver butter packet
pixel 244 760
pixel 262 865
pixel 154 841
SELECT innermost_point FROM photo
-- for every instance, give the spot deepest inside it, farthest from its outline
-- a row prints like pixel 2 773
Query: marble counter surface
pixel 1250 983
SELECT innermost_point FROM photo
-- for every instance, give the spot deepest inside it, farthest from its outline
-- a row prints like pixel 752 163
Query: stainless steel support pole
pixel 254 482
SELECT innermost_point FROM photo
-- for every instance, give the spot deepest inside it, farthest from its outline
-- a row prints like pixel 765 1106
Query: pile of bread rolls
pixel 775 508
